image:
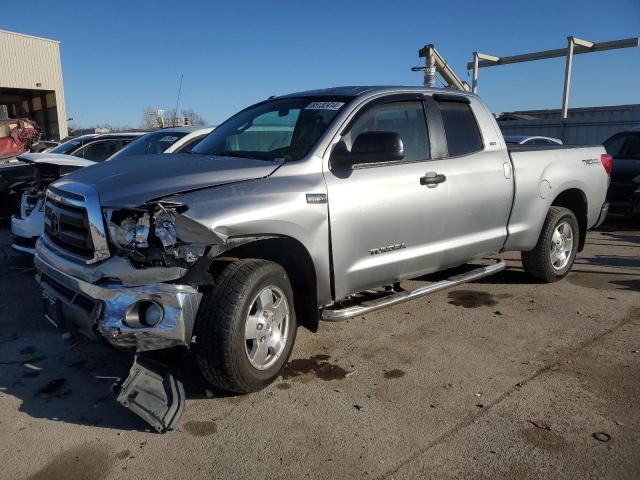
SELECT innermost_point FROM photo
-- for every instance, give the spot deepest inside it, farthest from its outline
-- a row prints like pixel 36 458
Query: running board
pixel 336 315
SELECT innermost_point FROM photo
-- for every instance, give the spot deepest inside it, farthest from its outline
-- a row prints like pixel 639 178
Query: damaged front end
pixel 134 299
pixel 137 298
pixel 158 235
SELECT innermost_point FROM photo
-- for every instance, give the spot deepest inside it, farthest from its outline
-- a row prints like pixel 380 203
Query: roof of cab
pixel 354 91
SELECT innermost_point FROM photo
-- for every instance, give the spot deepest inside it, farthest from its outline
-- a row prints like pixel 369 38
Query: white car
pixel 167 140
pixel 29 224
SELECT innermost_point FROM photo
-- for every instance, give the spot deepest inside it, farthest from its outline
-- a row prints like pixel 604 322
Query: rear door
pixel 385 224
pixel 479 183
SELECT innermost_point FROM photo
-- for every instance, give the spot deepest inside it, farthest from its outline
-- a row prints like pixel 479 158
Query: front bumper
pixel 100 310
pixel 27 228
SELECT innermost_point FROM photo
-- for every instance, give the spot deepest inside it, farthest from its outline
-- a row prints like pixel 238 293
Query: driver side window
pixel 407 119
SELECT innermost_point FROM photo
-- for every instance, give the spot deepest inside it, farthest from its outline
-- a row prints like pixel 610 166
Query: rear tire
pixel 553 255
pixel 246 326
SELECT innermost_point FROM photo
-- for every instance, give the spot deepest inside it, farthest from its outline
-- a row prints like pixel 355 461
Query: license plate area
pixel 52 309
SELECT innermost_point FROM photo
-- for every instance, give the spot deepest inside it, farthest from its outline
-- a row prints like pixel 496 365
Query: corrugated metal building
pixel 31 82
pixel 584 126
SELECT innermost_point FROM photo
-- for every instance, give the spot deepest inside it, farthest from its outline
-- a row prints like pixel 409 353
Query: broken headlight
pixel 154 231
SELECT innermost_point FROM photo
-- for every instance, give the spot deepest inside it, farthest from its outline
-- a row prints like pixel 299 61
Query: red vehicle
pixel 16 136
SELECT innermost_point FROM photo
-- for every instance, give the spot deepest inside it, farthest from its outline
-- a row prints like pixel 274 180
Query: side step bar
pixel 336 315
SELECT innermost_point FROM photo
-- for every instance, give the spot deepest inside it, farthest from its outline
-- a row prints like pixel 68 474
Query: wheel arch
pixel 292 255
pixel 574 199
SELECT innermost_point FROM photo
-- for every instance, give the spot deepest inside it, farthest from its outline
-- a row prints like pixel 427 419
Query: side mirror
pixel 341 158
pixel 369 147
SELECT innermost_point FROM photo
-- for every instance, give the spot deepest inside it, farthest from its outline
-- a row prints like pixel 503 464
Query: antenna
pixel 175 113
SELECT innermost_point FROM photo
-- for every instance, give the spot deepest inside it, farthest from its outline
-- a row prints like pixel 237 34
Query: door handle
pixel 507 169
pixel 432 179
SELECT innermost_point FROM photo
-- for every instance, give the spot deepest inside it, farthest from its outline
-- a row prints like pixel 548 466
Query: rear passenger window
pixel 460 127
pixel 407 119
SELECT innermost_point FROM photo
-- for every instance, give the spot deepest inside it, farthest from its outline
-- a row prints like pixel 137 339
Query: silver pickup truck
pixel 292 209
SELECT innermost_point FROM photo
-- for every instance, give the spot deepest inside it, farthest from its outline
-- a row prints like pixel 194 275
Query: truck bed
pixel 535 148
pixel 541 173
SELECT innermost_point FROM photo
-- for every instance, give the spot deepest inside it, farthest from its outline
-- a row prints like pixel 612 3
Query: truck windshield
pixel 285 128
pixel 156 142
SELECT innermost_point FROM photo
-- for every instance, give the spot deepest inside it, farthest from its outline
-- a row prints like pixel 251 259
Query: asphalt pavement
pixel 501 378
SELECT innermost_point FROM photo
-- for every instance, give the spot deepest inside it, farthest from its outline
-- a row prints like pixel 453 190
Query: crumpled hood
pixel 132 181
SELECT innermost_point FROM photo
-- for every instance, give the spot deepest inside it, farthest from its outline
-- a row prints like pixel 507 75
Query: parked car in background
pixel 17 136
pixel 28 225
pixel 167 140
pixel 45 146
pixel 531 140
pixel 34 171
pixel 96 147
pixel 624 191
pixel 314 205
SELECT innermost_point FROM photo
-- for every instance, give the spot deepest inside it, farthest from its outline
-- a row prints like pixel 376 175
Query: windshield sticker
pixel 168 138
pixel 324 106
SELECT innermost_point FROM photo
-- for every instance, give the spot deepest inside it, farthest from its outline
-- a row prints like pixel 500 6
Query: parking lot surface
pixel 500 378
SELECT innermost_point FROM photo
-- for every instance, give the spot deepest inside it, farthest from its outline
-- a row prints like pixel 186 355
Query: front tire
pixel 555 252
pixel 246 326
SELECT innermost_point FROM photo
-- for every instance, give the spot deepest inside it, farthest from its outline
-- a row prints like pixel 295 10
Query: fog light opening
pixel 145 313
pixel 150 313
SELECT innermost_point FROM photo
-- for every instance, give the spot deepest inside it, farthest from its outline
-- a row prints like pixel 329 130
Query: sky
pixel 120 57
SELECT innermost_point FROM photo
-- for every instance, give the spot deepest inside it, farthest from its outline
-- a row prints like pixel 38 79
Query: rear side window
pixel 460 127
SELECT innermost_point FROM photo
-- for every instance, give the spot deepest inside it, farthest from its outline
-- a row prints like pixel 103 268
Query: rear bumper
pixel 100 311
pixel 624 198
pixel 629 207
pixel 603 214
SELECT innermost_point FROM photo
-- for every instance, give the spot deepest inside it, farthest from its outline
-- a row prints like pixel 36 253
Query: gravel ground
pixel 501 378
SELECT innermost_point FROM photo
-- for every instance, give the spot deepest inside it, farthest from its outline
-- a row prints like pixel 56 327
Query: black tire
pixel 537 262
pixel 220 341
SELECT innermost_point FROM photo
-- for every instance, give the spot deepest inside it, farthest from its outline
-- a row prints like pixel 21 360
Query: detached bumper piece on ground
pixel 153 393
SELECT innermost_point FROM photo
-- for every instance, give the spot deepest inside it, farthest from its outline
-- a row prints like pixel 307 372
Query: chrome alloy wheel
pixel 561 245
pixel 266 327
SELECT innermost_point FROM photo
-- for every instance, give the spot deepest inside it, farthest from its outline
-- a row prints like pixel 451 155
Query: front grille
pixel 68 227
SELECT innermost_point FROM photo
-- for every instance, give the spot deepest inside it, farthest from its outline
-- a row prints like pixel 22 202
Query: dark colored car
pixel 624 191
pixel 15 176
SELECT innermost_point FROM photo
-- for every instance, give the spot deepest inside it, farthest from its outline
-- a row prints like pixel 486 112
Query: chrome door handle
pixel 432 179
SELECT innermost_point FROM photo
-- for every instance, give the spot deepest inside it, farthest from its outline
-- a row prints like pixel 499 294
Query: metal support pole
pixel 474 84
pixel 567 77
pixel 430 70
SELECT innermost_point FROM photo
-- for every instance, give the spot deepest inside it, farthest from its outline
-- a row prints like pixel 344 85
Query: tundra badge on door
pixel 388 248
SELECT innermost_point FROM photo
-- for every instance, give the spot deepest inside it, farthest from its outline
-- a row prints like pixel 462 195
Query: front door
pixel 387 224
